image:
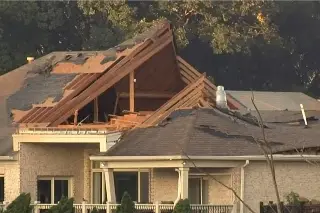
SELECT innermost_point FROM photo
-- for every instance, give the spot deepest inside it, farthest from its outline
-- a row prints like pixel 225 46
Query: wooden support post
pixel 116 104
pixel 131 90
pixel 75 119
pixel 96 110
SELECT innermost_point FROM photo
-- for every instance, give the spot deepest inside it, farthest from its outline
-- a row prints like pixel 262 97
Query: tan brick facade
pixel 55 160
pixel 11 173
pixel 164 186
pixel 299 177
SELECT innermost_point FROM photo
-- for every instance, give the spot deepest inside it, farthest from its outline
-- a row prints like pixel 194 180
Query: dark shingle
pixel 208 132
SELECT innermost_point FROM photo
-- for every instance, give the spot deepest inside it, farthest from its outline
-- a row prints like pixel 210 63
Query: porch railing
pixel 140 208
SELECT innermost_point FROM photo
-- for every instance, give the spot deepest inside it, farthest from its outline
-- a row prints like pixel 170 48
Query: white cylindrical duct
pixel 221 97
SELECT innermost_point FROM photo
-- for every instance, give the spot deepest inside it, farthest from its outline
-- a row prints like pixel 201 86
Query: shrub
pixel 65 205
pixel 94 210
pixel 20 205
pixel 127 205
pixel 183 206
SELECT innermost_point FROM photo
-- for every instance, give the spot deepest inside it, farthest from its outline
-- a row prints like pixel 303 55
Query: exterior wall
pixel 55 160
pixel 10 171
pixel 299 177
pixel 164 186
pixel 218 194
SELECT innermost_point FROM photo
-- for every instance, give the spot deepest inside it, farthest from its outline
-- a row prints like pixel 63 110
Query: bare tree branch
pixel 269 155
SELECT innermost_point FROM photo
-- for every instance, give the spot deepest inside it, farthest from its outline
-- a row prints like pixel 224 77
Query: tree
pixel 65 205
pixel 183 206
pixel 20 205
pixel 127 205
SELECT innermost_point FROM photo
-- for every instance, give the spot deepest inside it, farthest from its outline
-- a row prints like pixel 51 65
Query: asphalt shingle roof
pixel 209 132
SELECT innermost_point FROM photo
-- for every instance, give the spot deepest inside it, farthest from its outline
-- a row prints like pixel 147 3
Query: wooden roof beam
pixel 111 77
pixel 151 95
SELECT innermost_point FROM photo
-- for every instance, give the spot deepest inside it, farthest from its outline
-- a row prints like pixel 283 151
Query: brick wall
pixel 64 160
pixel 11 173
pixel 299 177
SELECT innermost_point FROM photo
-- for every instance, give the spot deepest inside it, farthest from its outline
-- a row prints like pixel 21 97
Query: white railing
pixel 140 208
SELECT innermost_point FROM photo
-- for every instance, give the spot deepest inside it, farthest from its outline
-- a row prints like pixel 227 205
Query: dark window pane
pixel 97 188
pixel 60 189
pixel 44 191
pixel 195 190
pixel 144 187
pixel 1 189
pixel 205 192
pixel 126 182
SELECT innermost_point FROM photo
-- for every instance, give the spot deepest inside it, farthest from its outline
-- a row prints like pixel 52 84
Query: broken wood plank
pixel 147 95
pixel 111 77
pixel 131 91
pixel 95 110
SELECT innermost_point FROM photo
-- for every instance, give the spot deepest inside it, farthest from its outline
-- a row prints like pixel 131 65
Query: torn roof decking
pixel 110 68
pixel 99 62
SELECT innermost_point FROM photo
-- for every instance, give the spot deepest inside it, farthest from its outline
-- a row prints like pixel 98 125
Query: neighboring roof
pixel 52 77
pixel 209 132
pixel 276 100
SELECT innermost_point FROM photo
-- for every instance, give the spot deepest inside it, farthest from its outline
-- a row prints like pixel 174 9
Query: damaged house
pixel 138 118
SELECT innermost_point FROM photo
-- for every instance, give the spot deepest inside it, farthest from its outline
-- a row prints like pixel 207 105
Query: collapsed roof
pixel 51 90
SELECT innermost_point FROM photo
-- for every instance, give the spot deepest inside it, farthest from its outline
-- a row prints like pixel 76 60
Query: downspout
pixel 179 188
pixel 242 185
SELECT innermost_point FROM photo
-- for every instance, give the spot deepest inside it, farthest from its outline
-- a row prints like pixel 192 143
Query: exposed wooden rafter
pixel 189 74
pixel 111 77
pixel 189 96
pixel 131 91
pixel 151 95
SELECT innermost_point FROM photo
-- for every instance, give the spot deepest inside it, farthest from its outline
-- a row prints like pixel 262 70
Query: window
pixel 135 182
pixel 1 188
pixel 50 190
pixel 198 190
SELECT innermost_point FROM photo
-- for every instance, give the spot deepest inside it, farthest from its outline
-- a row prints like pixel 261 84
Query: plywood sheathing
pixel 158 74
pixel 112 76
pixel 94 64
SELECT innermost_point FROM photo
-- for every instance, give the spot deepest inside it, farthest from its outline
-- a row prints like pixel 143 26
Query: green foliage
pixel 20 205
pixel 260 45
pixel 127 205
pixel 65 205
pixel 94 210
pixel 183 206
pixel 293 198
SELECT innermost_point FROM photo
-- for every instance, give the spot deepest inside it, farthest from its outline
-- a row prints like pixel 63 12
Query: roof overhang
pixel 191 161
pixel 105 140
pixel 7 158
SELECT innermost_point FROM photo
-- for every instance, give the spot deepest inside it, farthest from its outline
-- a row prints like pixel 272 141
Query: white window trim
pixel 116 170
pixel 52 179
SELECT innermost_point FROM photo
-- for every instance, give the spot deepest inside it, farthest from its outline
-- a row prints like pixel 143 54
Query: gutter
pixel 276 157
pixel 7 158
pixel 242 185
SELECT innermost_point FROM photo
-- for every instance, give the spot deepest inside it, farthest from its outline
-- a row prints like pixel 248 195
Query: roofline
pixel 7 158
pixel 276 157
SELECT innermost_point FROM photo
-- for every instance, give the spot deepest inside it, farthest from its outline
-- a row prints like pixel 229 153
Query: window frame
pixel 103 191
pixel 52 179
pixel 204 176
pixel 4 182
